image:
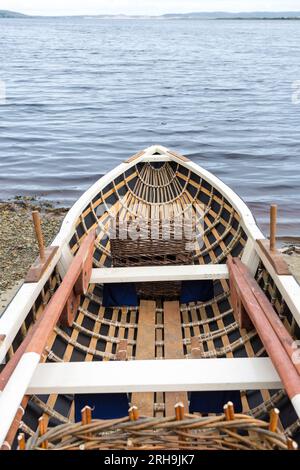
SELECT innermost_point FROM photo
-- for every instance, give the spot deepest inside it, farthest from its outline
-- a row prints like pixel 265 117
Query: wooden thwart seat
pixel 145 349
pixel 173 350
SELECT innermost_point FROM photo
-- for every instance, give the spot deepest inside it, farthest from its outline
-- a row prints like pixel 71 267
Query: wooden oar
pixel 277 353
pixel 16 376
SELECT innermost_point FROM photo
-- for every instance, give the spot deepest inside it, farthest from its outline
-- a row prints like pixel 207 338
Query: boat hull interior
pixel 161 326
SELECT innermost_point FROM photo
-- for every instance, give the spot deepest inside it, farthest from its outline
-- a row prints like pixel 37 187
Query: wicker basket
pixel 189 432
pixel 147 250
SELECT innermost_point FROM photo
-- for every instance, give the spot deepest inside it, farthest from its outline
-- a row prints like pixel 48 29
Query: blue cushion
pixel 196 291
pixel 213 402
pixel 104 405
pixel 118 295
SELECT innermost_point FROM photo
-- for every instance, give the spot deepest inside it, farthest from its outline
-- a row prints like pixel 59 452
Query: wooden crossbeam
pixel 145 349
pixel 173 350
pixel 164 273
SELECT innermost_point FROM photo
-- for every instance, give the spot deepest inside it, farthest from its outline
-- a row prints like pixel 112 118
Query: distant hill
pixel 11 14
pixel 240 15
pixel 212 15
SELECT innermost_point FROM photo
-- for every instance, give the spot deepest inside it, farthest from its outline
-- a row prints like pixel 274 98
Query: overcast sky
pixel 50 7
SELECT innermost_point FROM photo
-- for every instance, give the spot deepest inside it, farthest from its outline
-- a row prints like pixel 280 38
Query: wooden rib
pixel 196 330
pixel 49 411
pixel 216 310
pixel 121 352
pixel 93 343
pixel 196 348
pixel 159 194
pixel 159 354
pixel 187 330
pixel 173 350
pixel 145 349
pixel 111 333
pixel 131 332
pixel 206 328
pixel 66 358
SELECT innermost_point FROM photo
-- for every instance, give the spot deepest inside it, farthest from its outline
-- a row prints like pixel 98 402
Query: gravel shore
pixel 18 246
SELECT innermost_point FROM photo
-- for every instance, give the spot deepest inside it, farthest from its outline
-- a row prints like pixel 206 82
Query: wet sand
pixel 18 246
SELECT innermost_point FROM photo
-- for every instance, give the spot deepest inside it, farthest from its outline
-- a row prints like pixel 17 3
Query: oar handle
pixel 273 223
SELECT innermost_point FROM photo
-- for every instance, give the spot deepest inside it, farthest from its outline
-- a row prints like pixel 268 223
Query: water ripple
pixel 84 94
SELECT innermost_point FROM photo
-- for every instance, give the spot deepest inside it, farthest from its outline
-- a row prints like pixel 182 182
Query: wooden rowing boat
pixel 161 296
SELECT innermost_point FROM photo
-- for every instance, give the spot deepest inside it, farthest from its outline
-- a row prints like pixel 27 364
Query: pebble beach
pixel 18 246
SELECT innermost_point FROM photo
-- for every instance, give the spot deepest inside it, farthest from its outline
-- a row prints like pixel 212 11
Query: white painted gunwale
pixel 12 395
pixel 19 307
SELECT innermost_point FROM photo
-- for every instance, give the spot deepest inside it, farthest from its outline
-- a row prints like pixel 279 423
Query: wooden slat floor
pixel 145 349
pixel 173 350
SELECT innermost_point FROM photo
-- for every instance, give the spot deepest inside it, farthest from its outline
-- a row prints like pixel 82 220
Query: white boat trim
pixel 163 273
pixel 287 286
pixel 18 309
pixel 12 395
pixel 296 404
pixel 144 376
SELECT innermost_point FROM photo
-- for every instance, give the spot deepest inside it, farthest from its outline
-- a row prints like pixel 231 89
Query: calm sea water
pixel 84 94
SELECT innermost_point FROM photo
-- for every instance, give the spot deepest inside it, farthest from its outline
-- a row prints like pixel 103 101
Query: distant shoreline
pixel 261 19
pixel 145 18
pixel 256 15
